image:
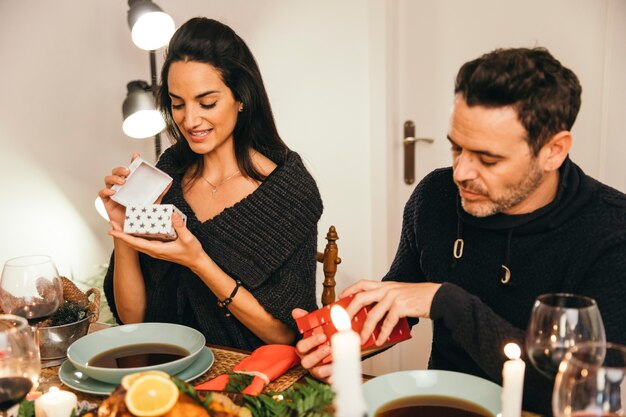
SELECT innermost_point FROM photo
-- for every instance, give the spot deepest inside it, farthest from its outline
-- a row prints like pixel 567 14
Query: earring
pixel 240 107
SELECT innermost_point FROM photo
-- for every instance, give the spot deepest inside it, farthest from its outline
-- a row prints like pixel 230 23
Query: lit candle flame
pixel 340 318
pixel 512 351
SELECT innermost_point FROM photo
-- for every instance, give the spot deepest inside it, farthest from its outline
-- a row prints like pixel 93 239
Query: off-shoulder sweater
pixel 268 240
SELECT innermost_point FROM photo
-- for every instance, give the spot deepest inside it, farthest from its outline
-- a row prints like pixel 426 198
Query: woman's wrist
pixel 226 302
pixel 202 265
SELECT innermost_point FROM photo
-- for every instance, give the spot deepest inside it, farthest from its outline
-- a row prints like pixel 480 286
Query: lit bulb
pixel 100 208
pixel 153 30
pixel 143 124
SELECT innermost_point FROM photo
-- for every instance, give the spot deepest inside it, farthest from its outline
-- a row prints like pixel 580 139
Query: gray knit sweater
pixel 575 244
pixel 268 240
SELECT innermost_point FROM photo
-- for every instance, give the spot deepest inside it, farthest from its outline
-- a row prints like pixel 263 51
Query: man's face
pixel 494 167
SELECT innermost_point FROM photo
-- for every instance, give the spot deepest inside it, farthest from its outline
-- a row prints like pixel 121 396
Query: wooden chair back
pixel 329 260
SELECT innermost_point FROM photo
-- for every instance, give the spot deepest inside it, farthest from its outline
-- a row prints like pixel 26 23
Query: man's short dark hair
pixel 545 94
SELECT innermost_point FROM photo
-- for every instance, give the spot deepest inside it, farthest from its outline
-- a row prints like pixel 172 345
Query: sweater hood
pixel 574 190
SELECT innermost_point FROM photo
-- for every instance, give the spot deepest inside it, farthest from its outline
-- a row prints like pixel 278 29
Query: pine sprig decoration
pixel 27 409
pixel 186 388
pixel 68 313
pixel 238 382
pixel 309 399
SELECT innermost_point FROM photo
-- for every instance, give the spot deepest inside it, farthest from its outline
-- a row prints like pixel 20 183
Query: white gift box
pixel 144 184
pixel 151 221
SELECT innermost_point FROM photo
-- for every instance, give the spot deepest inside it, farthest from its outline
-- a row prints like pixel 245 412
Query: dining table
pixel 225 358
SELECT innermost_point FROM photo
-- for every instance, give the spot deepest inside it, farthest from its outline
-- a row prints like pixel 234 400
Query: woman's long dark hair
pixel 209 41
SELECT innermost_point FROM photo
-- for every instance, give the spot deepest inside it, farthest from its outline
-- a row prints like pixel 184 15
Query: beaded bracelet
pixel 224 303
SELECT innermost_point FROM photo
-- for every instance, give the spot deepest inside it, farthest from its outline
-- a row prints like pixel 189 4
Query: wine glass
pixel 19 361
pixel 30 287
pixel 558 322
pixel 590 381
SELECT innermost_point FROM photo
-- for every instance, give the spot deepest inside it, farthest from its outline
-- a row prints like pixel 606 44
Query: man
pixel 512 219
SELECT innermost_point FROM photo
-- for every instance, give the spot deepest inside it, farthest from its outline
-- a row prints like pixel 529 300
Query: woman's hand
pixel 394 300
pixel 310 357
pixel 115 211
pixel 186 250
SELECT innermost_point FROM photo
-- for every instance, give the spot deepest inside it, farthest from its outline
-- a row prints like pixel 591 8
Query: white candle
pixel 55 403
pixel 512 381
pixel 346 366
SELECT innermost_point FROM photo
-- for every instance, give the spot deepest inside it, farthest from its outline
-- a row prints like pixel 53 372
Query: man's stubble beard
pixel 512 196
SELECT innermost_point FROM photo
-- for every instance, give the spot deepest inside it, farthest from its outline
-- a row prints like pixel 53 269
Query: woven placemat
pixel 226 360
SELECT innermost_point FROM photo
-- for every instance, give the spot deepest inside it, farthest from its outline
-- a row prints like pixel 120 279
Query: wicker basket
pixel 54 340
pixel 73 294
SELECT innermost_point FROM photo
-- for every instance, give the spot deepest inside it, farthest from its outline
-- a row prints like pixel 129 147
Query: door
pixel 426 43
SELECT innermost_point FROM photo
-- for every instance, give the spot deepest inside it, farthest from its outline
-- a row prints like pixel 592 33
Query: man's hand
pixel 309 357
pixel 394 300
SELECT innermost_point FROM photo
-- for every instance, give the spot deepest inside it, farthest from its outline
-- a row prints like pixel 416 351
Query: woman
pixel 246 256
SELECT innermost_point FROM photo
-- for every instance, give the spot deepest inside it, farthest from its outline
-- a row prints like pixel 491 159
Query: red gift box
pixel 319 321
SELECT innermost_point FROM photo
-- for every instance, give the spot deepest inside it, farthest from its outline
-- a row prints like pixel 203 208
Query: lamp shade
pixel 141 118
pixel 150 27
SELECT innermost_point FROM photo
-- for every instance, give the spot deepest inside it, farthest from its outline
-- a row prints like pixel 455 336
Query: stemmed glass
pixel 557 323
pixel 30 287
pixel 591 382
pixel 19 361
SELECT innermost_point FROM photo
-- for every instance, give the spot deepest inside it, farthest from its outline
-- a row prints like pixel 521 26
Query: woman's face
pixel 203 107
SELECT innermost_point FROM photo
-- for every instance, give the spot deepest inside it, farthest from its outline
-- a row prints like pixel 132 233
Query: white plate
pixel 385 388
pixel 75 379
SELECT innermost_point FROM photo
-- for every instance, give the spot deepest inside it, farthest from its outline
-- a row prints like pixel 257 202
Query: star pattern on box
pixel 144 224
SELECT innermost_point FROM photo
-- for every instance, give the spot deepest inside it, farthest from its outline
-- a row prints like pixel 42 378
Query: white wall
pixel 612 164
pixel 64 81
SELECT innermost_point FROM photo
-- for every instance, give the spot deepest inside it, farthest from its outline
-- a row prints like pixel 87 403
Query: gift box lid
pixel 144 184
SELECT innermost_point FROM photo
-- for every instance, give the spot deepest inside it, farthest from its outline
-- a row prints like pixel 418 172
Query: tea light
pixel 512 381
pixel 346 366
pixel 55 403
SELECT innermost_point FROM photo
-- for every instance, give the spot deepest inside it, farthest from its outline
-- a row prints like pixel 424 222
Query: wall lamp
pixel 141 118
pixel 151 29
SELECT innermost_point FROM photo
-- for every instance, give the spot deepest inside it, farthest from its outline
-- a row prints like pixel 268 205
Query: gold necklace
pixel 214 190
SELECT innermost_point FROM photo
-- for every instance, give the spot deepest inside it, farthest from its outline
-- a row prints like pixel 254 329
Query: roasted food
pixel 220 405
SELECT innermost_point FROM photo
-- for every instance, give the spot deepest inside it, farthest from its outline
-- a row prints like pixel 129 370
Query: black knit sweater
pixel 268 240
pixel 576 244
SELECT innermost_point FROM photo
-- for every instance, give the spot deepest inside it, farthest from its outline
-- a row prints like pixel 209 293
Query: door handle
pixel 409 150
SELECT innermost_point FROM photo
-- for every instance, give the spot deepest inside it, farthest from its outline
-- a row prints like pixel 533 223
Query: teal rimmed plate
pixel 83 350
pixel 384 389
pixel 75 379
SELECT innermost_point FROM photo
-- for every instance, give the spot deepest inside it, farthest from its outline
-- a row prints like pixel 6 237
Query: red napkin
pixel 266 364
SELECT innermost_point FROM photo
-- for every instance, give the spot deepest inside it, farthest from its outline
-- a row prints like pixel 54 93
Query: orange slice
pixel 130 379
pixel 151 395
